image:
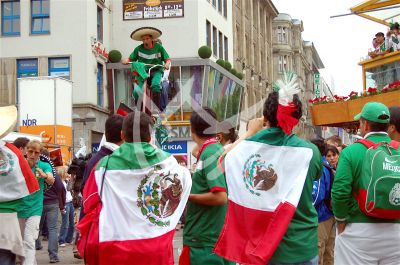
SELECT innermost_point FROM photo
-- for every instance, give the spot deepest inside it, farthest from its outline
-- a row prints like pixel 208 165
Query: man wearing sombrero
pixel 152 53
pixel 16 181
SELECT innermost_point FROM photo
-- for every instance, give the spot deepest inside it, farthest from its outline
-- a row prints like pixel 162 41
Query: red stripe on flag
pixel 30 179
pixel 150 251
pixel 254 240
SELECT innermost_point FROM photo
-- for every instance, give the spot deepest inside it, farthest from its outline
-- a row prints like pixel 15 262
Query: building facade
pixel 252 33
pixel 292 53
pixel 72 39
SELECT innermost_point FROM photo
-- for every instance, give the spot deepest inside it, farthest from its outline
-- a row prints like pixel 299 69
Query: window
pixel 225 8
pixel 282 35
pixel 100 92
pixel 208 33
pixel 59 67
pixel 27 67
pixel 221 45
pixel 40 15
pixel 214 3
pixel 220 6
pixel 215 41
pixel 10 18
pixel 225 48
pixel 99 24
pixel 283 66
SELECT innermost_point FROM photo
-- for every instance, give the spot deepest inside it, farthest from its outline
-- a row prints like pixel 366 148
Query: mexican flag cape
pixel 131 217
pixel 16 177
pixel 265 181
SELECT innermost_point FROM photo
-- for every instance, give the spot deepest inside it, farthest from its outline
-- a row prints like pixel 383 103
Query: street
pixel 67 257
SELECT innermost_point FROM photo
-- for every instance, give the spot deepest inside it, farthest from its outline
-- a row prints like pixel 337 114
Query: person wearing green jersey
pixel 31 206
pixel 362 239
pixel 208 197
pixel 143 57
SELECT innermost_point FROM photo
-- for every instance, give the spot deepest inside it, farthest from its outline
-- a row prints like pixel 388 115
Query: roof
pixel 284 17
pixel 381 11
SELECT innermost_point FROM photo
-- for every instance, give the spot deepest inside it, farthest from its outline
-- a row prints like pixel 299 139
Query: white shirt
pixel 68 196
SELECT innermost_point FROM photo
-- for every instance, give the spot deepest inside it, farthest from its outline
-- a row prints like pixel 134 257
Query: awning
pixel 381 11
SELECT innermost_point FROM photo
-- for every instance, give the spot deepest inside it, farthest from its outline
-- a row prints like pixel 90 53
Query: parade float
pixel 381 76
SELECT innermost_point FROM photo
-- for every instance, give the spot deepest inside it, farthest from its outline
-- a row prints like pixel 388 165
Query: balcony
pixel 192 81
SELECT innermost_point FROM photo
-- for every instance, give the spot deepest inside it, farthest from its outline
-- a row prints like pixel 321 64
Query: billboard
pixel 45 109
pixel 151 9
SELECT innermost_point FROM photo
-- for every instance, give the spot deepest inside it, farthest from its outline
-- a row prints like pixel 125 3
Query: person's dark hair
pixel 45 151
pixel 137 127
pixel 395 117
pixel 271 108
pixel 377 127
pixel 113 128
pixel 379 34
pixel 204 127
pixel 227 131
pixel 21 142
pixel 331 148
pixel 320 143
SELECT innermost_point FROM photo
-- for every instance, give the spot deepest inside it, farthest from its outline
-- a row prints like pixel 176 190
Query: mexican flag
pixel 144 195
pixel 16 177
pixel 264 185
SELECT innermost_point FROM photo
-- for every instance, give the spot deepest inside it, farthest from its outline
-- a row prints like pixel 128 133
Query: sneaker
pixel 63 245
pixel 39 247
pixel 54 260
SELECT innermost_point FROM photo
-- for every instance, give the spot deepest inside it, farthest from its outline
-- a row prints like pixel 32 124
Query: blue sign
pixel 175 147
pixel 95 147
pixel 27 67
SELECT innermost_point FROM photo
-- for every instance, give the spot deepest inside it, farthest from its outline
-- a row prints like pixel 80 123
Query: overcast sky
pixel 340 42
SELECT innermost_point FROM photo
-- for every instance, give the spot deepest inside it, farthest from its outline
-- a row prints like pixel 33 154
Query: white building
pixel 71 39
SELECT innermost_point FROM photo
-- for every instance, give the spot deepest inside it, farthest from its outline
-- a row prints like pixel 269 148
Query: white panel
pixel 63 102
pixel 36 101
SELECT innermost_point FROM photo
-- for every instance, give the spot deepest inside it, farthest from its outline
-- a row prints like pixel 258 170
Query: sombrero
pixel 138 33
pixel 8 119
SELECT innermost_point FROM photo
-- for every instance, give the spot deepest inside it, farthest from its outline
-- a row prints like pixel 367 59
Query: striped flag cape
pixel 16 177
pixel 265 182
pixel 143 197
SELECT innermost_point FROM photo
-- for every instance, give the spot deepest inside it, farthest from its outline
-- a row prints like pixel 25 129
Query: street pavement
pixel 67 257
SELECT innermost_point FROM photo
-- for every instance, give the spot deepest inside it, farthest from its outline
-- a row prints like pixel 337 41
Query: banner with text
pixel 150 9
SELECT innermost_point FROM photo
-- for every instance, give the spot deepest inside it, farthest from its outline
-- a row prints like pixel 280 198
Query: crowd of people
pixel 384 44
pixel 132 194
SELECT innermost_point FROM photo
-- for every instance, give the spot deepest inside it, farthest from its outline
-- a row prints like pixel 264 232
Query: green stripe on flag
pixel 136 155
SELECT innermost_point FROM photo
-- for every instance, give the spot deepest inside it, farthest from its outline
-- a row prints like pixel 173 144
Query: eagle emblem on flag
pixel 6 163
pixel 257 176
pixel 159 194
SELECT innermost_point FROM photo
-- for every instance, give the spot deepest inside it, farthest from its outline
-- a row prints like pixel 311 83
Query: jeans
pixel 67 224
pixel 30 231
pixel 164 94
pixel 50 214
pixel 7 257
pixel 313 261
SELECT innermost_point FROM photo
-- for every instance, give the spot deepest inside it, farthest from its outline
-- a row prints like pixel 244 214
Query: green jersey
pixel 347 183
pixel 204 223
pixel 156 55
pixel 32 205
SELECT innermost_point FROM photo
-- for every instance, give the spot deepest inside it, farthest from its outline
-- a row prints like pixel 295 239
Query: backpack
pixel 379 194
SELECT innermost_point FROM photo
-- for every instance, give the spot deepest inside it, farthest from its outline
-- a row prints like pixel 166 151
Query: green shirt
pixel 156 55
pixel 300 242
pixel 32 205
pixel 346 183
pixel 203 222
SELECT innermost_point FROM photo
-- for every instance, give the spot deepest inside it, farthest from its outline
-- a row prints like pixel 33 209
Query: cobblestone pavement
pixel 66 256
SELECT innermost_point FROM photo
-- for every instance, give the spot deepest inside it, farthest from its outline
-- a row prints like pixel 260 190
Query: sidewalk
pixel 67 257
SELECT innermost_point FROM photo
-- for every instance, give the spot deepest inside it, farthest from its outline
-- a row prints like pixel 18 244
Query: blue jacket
pixel 321 192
